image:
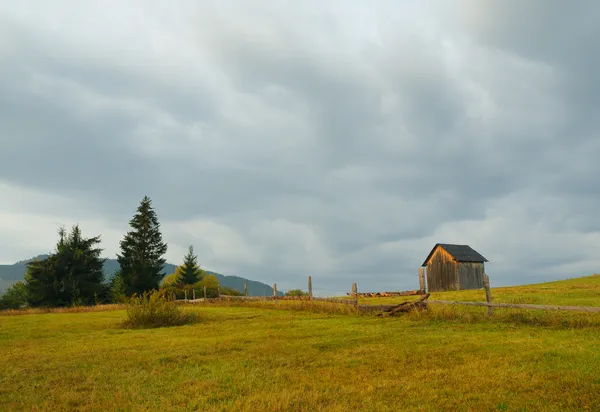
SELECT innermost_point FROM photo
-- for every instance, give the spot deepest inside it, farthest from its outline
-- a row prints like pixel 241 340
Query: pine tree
pixel 190 272
pixel 142 251
pixel 72 275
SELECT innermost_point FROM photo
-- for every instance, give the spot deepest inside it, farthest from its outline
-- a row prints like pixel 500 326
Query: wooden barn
pixel 454 267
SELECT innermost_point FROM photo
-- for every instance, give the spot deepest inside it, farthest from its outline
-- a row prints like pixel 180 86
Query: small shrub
pixel 230 292
pixel 211 283
pixel 296 292
pixel 154 310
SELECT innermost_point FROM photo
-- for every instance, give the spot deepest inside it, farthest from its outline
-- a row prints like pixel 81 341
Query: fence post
pixel 275 292
pixel 194 294
pixel 309 288
pixel 218 291
pixel 204 292
pixel 488 293
pixel 245 288
pixel 355 295
pixel 422 280
pixel 185 294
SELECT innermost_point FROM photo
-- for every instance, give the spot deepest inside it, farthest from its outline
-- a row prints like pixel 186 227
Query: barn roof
pixel 462 253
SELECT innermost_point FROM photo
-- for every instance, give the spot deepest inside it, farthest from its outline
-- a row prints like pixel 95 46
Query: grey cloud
pixel 560 35
pixel 356 141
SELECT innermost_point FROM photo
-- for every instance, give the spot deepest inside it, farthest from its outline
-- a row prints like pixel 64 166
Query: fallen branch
pixel 420 303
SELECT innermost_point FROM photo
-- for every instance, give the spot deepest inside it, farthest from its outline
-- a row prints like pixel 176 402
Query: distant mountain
pixel 10 274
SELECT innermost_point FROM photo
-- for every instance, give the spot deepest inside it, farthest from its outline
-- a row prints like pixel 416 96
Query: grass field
pixel 248 358
pixel 583 291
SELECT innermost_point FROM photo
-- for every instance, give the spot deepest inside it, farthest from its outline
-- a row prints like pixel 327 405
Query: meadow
pixel 583 291
pixel 294 356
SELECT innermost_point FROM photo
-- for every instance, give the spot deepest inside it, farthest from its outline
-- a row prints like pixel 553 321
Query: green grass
pixel 262 358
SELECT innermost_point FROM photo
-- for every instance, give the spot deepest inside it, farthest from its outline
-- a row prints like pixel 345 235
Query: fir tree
pixel 116 288
pixel 190 272
pixel 72 275
pixel 142 251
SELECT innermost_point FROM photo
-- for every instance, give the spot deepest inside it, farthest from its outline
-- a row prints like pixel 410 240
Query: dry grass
pixel 313 306
pixel 298 355
pixel 74 309
pixel 514 317
pixel 246 359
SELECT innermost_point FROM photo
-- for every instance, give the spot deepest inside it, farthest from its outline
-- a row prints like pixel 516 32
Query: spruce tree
pixel 190 272
pixel 72 275
pixel 142 251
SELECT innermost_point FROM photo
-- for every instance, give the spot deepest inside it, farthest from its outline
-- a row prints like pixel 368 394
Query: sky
pixel 335 139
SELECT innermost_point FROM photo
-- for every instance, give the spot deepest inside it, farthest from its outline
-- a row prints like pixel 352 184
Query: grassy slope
pixel 264 359
pixel 583 291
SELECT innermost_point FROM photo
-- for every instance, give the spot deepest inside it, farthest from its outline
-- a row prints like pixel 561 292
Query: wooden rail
pixel 592 309
pixel 386 294
pixel 266 298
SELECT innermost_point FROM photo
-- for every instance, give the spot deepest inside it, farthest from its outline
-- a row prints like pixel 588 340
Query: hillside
pixel 10 274
pixel 582 291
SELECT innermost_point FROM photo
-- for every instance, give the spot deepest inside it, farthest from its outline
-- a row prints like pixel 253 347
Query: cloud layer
pixel 286 139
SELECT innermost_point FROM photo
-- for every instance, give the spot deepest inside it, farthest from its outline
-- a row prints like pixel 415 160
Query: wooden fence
pixel 272 298
pixel 591 309
pixel 355 295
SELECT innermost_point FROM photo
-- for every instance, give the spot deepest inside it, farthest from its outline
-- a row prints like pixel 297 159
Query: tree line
pixel 73 274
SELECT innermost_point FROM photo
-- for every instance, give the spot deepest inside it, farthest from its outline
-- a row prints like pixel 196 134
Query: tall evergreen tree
pixel 142 251
pixel 72 275
pixel 190 272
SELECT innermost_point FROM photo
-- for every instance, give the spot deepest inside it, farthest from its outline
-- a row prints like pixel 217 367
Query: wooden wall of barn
pixel 442 272
pixel 470 275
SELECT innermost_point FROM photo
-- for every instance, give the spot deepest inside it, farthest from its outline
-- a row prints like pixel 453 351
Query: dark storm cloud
pixel 331 144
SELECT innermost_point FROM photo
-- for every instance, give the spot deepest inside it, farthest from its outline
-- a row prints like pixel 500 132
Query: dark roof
pixel 462 253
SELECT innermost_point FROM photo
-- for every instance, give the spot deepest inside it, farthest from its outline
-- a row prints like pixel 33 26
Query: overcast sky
pixel 283 139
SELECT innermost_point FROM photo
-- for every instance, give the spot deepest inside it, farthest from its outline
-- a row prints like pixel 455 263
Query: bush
pixel 212 287
pixel 172 287
pixel 153 310
pixel 210 281
pixel 170 280
pixel 230 292
pixel 296 292
pixel 15 297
